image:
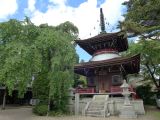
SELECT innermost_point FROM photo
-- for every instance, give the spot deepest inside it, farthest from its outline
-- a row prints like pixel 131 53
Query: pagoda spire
pixel 102 22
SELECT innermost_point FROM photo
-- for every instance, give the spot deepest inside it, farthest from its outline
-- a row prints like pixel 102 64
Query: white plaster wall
pixel 104 56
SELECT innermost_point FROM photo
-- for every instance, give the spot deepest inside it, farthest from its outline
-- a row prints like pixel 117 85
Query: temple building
pixel 107 69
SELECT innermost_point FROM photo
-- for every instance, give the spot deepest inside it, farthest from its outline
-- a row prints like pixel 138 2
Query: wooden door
pixel 101 84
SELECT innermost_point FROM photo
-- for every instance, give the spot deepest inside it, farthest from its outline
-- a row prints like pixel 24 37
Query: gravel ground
pixel 25 113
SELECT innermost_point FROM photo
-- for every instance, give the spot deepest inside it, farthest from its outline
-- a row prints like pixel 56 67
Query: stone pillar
pixel 112 107
pixel 77 104
pixel 71 102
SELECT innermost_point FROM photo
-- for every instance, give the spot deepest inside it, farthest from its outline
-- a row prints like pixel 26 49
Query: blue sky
pixel 83 13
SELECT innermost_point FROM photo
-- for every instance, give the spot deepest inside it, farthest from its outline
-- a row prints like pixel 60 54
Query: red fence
pixel 85 90
pixel 113 89
pixel 118 89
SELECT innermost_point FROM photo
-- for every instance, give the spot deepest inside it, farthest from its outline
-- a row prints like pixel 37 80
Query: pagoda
pixel 107 69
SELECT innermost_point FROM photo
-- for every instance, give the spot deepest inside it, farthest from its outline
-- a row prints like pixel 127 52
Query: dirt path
pixel 90 118
pixel 16 114
pixel 23 113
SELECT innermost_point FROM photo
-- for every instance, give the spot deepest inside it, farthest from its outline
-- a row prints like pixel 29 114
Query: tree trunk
pixel 49 103
pixel 152 75
pixel 4 99
pixel 159 84
pixel 49 69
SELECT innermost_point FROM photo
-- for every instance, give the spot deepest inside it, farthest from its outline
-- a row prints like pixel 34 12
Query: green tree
pixel 18 55
pixel 43 52
pixel 58 58
pixel 143 20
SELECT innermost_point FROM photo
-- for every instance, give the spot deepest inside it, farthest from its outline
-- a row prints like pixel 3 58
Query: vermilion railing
pixel 85 90
pixel 113 89
pixel 118 89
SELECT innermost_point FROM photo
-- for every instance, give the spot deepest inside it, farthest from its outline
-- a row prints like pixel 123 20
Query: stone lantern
pixel 125 92
pixel 127 110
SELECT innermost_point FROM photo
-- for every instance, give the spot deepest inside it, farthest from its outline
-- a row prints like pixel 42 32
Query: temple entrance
pixel 103 83
pixel 101 86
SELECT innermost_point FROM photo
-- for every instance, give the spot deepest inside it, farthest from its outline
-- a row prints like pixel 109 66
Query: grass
pixel 156 114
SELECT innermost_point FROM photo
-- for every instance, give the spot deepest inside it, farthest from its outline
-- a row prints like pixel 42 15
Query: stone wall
pixel 114 105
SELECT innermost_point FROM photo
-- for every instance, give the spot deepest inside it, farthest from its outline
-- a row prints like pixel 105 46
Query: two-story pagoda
pixel 106 70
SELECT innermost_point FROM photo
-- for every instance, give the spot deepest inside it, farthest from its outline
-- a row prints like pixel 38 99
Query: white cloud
pixel 58 2
pixel 30 8
pixel 84 17
pixel 112 10
pixel 31 5
pixel 7 7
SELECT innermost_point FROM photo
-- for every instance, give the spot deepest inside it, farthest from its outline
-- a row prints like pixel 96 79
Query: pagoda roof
pixel 119 37
pixel 130 65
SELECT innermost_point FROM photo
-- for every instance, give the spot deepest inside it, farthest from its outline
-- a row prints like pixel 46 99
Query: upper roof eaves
pixel 102 37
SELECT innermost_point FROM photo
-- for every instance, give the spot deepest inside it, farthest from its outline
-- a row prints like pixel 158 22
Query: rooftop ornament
pixel 102 23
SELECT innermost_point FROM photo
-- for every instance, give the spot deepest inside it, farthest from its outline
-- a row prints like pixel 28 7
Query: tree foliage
pixel 142 20
pixel 19 57
pixel 57 62
pixel 44 53
pixel 145 93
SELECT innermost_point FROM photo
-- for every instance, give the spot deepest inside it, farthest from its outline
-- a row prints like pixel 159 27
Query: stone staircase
pixel 97 107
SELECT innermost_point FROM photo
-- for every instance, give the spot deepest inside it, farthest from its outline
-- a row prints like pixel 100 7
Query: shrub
pixel 56 113
pixel 40 88
pixel 40 110
pixel 145 93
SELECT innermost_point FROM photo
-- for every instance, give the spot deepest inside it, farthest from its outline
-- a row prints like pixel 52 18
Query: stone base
pixel 127 111
pixel 115 105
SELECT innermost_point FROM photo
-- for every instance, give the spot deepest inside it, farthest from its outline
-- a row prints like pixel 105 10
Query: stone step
pixel 95 109
pixel 98 101
pixel 94 115
pixel 100 97
pixel 98 106
pixel 94 112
